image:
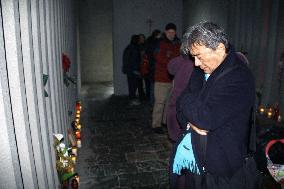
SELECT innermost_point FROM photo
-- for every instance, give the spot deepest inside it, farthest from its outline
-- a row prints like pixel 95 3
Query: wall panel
pixel 33 36
pixel 31 53
pixel 11 28
pixel 44 32
pixel 8 149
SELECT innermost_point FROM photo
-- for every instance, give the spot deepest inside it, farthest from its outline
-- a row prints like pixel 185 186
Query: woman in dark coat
pixel 181 68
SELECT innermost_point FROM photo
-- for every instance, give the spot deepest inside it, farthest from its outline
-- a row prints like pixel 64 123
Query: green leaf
pixel 67 176
pixel 45 93
pixel 72 80
pixel 45 78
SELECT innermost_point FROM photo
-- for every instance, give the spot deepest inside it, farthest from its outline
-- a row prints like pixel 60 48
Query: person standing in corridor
pixel 168 48
pixel 216 107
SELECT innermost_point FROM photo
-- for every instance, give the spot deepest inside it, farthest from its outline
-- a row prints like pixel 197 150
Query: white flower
pixel 58 136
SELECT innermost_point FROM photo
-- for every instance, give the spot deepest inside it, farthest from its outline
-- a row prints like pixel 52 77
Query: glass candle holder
pixel 78 134
pixel 74 150
pixel 270 113
pixel 79 126
pixel 279 119
pixel 73 158
pixel 79 143
pixel 261 110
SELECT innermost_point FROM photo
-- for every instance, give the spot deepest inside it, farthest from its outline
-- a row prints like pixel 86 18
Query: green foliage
pixel 64 163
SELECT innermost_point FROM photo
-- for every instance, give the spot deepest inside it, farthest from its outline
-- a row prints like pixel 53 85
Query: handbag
pixel 276 170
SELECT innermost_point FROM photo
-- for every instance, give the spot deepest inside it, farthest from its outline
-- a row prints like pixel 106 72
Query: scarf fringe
pixel 191 166
pixel 184 157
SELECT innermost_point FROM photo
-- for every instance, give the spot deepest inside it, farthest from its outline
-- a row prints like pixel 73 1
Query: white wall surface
pixel 95 27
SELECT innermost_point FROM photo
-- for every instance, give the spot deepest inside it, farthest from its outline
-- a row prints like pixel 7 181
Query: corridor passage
pixel 119 148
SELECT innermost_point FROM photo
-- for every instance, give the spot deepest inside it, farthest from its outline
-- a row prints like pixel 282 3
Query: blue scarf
pixel 184 157
pixel 206 76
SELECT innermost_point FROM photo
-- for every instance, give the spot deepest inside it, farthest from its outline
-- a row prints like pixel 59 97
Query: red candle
pixel 78 106
pixel 78 134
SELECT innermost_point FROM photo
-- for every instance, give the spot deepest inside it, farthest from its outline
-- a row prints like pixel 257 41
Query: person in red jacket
pixel 168 48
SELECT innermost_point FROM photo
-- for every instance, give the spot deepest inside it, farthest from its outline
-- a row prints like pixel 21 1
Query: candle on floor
pixel 78 134
pixel 78 106
pixel 269 113
pixel 279 119
pixel 74 150
pixel 79 126
pixel 79 143
pixel 261 110
pixel 78 116
pixel 73 158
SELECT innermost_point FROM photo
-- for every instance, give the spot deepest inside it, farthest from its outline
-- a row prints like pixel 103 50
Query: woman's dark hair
pixel 142 35
pixel 155 33
pixel 134 39
pixel 204 33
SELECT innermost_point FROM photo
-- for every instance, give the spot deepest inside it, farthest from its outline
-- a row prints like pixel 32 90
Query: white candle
pixel 79 144
pixel 261 110
pixel 73 158
pixel 269 114
pixel 74 151
pixel 279 119
pixel 79 126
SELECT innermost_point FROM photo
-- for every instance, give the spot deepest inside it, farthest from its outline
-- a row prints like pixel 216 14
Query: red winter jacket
pixel 166 51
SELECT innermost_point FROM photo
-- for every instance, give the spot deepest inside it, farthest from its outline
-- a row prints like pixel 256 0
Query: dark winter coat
pixel 131 59
pixel 222 106
pixel 181 68
pixel 166 51
pixel 151 45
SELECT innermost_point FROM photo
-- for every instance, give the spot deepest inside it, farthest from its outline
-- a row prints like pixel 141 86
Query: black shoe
pixel 164 125
pixel 158 130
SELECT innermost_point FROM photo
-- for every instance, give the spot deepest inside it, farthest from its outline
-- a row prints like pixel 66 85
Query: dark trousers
pixel 147 83
pixel 135 83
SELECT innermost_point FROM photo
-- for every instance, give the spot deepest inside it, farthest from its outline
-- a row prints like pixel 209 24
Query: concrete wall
pixel 278 93
pixel 33 36
pixel 130 17
pixel 255 26
pixel 95 27
pixel 195 11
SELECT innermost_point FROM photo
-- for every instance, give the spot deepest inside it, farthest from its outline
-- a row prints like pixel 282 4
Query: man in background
pixel 168 48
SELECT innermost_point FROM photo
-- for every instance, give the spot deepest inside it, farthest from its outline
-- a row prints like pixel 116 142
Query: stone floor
pixel 119 148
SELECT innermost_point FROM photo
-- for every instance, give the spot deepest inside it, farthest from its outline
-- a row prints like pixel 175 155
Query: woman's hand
pixel 196 129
